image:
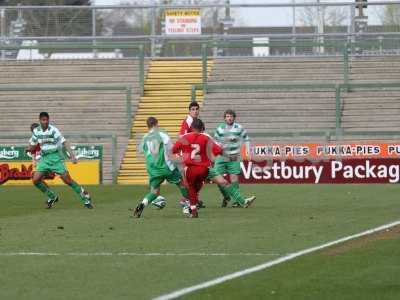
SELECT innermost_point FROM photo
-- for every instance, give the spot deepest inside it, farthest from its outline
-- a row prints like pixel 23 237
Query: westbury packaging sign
pixel 328 164
pixel 16 165
pixel 182 21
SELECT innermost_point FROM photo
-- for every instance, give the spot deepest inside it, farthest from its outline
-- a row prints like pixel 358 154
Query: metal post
pixel 141 69
pixel 94 32
pixel 153 31
pixel 338 110
pixel 294 28
pixel 351 28
pixel 193 93
pixel 129 110
pixel 346 65
pixel 321 24
pixel 380 39
pixel 204 65
pixel 114 158
pixel 2 31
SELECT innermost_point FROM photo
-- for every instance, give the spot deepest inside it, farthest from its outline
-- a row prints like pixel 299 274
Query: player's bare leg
pixel 78 189
pixel 37 180
pixel 149 198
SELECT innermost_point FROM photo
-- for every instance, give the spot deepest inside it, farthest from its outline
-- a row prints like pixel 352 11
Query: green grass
pixel 370 272
pixel 285 218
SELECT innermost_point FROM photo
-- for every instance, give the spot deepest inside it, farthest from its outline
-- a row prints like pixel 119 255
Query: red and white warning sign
pixel 182 21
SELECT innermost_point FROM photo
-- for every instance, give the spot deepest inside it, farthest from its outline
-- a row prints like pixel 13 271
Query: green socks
pixel 76 187
pixel 223 191
pixel 78 190
pixel 45 190
pixel 150 197
pixel 233 191
pixel 184 191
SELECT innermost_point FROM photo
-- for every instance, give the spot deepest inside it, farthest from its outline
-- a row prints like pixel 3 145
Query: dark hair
pixel 198 125
pixel 151 122
pixel 194 104
pixel 44 114
pixel 34 125
pixel 230 112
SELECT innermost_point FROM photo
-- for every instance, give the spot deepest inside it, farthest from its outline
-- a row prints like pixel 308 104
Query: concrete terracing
pixel 73 112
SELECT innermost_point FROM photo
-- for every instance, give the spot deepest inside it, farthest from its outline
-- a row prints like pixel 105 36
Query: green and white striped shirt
pixel 231 138
pixel 50 140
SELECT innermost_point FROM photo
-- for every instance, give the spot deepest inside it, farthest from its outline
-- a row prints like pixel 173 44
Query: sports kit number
pixel 195 152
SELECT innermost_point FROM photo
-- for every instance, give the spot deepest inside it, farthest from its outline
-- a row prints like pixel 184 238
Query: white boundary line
pixel 268 264
pixel 23 253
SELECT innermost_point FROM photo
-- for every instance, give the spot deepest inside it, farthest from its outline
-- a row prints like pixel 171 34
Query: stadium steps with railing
pixel 76 112
pixel 166 96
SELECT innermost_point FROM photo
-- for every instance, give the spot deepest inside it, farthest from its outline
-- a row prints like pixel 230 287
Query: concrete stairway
pixel 73 112
pixel 166 97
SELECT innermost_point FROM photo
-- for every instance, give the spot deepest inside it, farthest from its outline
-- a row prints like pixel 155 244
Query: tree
pixel 139 21
pixel 391 15
pixel 50 22
pixel 330 16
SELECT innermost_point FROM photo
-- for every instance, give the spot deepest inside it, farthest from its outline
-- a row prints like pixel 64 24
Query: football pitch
pixel 74 253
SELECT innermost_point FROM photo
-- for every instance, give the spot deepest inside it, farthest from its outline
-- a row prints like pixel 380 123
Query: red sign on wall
pixel 376 170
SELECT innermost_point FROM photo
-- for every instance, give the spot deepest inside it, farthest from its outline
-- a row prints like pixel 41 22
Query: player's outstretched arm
pixel 70 153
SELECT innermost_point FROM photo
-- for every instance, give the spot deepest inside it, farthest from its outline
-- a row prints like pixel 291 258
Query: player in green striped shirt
pixel 52 145
pixel 156 147
pixel 231 136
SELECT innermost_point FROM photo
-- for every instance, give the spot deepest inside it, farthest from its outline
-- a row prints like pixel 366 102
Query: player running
pixel 231 136
pixel 198 150
pixel 156 146
pixel 52 143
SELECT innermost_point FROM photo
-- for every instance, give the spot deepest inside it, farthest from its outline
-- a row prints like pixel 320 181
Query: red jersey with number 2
pixel 198 149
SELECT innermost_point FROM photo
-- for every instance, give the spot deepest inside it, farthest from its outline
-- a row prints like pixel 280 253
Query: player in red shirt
pixel 186 127
pixel 198 150
pixel 194 111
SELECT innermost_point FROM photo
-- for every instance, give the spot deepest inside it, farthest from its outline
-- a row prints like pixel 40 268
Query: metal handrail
pixel 94 87
pixel 96 46
pixel 175 6
pixel 337 88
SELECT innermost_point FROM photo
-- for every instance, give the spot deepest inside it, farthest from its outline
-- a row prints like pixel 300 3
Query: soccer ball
pixel 160 202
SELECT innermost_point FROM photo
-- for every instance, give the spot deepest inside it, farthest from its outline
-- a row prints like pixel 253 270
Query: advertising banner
pixel 16 165
pixel 380 170
pixel 361 162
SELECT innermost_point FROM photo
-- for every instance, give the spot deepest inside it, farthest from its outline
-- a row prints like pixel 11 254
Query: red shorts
pixel 195 177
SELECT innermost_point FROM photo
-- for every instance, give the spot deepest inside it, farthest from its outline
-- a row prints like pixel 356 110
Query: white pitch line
pixel 269 264
pixel 21 253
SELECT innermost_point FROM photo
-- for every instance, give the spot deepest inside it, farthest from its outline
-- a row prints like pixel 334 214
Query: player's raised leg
pixel 38 182
pixel 83 195
pixel 232 190
pixel 155 183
